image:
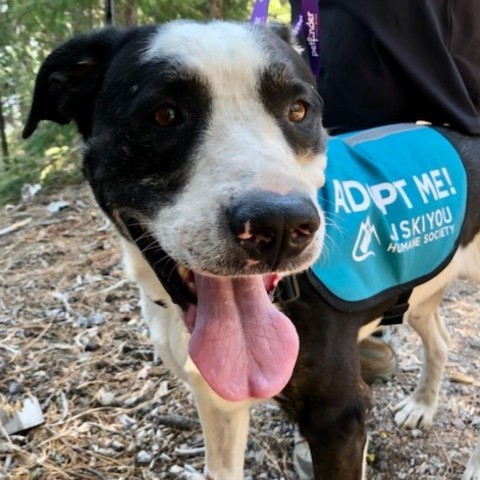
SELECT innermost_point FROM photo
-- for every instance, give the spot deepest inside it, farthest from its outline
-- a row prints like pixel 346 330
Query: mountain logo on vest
pixel 364 245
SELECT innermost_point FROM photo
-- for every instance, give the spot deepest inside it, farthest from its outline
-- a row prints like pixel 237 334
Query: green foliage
pixel 29 30
pixel 52 158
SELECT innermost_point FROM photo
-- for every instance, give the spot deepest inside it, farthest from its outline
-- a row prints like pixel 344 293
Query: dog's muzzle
pixel 272 227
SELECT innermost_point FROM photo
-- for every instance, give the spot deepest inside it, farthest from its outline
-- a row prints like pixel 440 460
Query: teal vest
pixel 394 200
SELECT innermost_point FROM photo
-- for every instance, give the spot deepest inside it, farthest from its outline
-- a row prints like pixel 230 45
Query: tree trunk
pixel 110 12
pixel 3 135
pixel 216 9
pixel 129 10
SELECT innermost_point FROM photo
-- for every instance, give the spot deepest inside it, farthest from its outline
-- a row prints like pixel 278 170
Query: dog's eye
pixel 167 115
pixel 297 111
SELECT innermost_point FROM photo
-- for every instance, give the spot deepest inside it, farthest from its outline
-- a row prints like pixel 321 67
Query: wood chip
pixel 459 377
pixel 15 226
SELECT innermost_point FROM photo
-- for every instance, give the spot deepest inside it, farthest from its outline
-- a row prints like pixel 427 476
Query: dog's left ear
pixel 69 79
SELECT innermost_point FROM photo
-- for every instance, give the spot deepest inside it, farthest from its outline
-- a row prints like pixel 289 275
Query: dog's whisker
pixel 161 259
pixel 152 246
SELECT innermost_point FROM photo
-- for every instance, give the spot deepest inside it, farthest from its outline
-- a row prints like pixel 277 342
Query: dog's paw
pixel 415 411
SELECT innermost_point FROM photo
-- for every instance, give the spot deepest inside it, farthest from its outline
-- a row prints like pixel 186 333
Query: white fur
pixel 364 463
pixel 215 50
pixel 420 407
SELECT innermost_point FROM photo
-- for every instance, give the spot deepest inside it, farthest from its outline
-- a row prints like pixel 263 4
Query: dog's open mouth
pixel 242 345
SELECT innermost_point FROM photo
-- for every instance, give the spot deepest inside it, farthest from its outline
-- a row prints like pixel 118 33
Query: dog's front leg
pixel 419 408
pixel 224 423
pixel 326 395
pixel 225 429
pixel 338 438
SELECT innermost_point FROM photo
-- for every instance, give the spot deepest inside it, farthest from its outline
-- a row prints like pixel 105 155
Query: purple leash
pixel 311 30
pixel 260 12
pixel 308 19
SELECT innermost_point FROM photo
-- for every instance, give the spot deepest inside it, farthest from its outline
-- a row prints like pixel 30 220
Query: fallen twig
pixel 15 226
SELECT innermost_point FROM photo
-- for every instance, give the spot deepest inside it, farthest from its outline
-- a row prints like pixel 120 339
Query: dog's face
pixel 204 145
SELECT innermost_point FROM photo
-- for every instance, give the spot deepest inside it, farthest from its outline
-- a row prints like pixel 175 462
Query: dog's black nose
pixel 273 227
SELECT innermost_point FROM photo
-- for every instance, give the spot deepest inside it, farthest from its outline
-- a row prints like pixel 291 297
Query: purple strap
pixel 311 30
pixel 308 18
pixel 260 12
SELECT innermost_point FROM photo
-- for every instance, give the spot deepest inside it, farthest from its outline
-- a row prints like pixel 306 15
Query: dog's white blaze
pixel 224 53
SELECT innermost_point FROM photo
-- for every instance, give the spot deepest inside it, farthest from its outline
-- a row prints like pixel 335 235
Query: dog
pixel 204 145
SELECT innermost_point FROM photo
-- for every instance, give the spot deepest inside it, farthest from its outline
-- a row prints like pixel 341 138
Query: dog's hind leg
pixel 472 472
pixel 419 408
pixel 225 429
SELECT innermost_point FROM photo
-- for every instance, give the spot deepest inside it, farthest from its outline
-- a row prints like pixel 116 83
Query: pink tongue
pixel 242 345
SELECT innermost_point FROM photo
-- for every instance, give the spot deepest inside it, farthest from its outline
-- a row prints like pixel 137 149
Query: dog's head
pixel 204 145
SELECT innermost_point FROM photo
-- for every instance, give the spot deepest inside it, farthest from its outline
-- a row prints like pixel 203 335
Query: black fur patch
pixel 101 82
pixel 287 80
pixel 279 89
pixel 130 160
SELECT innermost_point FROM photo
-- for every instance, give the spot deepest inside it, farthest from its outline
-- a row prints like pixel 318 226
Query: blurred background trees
pixel 29 30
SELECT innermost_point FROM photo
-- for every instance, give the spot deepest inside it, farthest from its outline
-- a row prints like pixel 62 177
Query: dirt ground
pixel 72 336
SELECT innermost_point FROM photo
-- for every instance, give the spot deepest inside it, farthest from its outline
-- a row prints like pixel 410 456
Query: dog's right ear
pixel 285 32
pixel 69 79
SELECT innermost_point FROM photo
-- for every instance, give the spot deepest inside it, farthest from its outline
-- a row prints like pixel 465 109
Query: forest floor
pixel 71 335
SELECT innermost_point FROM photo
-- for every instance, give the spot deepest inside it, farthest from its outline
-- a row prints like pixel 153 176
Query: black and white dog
pixel 204 146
